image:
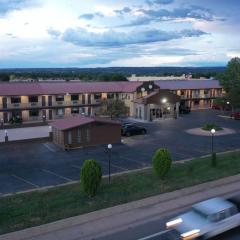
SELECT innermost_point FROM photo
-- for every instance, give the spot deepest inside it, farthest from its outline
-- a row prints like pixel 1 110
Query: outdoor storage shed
pixel 81 131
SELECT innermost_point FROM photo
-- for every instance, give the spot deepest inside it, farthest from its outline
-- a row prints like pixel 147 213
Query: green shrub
pixel 161 162
pixel 91 175
pixel 210 126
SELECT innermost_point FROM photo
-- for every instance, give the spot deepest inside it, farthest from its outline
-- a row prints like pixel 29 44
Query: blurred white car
pixel 207 219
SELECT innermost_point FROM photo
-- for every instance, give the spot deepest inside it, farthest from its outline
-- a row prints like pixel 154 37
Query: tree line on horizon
pixel 105 74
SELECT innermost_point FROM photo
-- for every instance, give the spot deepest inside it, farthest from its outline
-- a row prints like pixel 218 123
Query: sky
pixel 126 33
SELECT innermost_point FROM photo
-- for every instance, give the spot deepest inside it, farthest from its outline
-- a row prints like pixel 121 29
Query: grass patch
pixel 210 126
pixel 36 208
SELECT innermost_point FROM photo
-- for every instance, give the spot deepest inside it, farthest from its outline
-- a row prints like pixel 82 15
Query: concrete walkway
pixel 24 133
pixel 110 220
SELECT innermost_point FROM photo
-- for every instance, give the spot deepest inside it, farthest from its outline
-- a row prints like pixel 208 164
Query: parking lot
pixel 32 165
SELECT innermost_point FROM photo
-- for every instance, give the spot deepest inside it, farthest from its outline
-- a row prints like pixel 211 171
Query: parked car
pixel 216 107
pixel 184 110
pixel 132 129
pixel 207 219
pixel 236 115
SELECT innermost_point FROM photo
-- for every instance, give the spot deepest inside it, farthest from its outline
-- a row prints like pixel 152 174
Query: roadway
pixel 155 230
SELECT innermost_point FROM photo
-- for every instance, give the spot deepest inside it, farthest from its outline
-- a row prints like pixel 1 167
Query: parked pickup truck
pixel 207 219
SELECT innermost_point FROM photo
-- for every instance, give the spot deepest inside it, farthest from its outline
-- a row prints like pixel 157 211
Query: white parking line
pixel 116 166
pixel 24 180
pixel 154 235
pixel 76 166
pixel 131 160
pixel 49 147
pixel 57 175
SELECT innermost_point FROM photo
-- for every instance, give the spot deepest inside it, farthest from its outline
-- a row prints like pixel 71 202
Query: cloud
pixel 179 13
pixel 156 15
pixel 53 33
pixel 90 16
pixel 10 5
pixel 112 38
pixel 163 2
pixel 123 11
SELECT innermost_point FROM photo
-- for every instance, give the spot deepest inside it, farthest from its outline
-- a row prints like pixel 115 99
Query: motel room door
pixel 5 117
pixel 43 101
pixel 50 114
pixel 49 101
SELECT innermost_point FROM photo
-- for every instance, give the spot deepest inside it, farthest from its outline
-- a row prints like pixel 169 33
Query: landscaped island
pixel 210 126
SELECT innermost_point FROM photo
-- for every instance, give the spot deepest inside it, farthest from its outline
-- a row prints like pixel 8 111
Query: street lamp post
pixel 212 132
pixel 109 146
pixel 213 158
pixel 6 136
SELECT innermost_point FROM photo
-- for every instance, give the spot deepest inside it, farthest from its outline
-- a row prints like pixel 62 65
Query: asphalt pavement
pixel 33 165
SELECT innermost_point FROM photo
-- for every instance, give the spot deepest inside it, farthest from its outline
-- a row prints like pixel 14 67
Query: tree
pixel 90 178
pixel 162 162
pixel 114 108
pixel 230 81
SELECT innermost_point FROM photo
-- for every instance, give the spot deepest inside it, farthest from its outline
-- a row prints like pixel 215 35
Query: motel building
pixel 47 101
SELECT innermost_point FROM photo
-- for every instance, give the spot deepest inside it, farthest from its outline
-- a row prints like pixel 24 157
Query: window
pixel 182 93
pixel 79 139
pixel 74 97
pixel 196 102
pixel 69 137
pixel 60 111
pixel 110 95
pixel 59 98
pixel 75 110
pixel 197 92
pixel 88 137
pixel 33 99
pixel 206 91
pixel 33 113
pixel 97 96
pixel 15 99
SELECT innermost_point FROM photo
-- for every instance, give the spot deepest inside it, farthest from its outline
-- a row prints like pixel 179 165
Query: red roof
pixel 76 121
pixel 25 89
pixel 54 88
pixel 188 84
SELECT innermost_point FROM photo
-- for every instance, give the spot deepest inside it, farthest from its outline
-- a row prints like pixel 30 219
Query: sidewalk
pixel 117 218
pixel 15 134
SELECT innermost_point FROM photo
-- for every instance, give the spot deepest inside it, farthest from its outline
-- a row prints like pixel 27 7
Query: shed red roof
pixel 76 121
pixel 25 89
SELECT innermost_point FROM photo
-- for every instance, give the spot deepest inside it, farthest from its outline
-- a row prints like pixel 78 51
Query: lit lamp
pixel 212 132
pixel 109 147
pixel 164 100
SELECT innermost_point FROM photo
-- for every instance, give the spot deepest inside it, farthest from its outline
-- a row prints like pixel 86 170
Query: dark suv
pixel 184 109
pixel 132 129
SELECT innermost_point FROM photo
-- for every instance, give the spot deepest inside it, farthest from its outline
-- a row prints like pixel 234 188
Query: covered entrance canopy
pixel 158 104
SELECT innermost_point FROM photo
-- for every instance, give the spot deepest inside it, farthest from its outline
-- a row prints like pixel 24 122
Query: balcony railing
pixel 39 104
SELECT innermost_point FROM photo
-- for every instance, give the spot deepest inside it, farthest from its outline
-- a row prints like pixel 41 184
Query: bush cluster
pixel 210 126
pixel 162 162
pixel 91 175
